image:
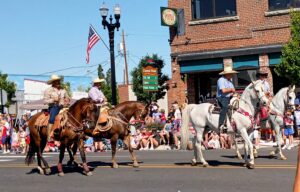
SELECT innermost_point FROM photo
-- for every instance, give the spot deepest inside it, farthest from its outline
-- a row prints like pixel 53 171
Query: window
pixel 204 9
pixel 244 77
pixel 283 4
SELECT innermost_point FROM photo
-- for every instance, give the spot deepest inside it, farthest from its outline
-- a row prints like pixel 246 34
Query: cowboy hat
pixel 228 70
pixel 261 72
pixel 98 80
pixel 53 78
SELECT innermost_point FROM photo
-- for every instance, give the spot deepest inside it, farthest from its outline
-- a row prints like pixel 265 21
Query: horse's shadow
pixel 215 163
pixel 95 164
pixel 259 157
pixel 67 170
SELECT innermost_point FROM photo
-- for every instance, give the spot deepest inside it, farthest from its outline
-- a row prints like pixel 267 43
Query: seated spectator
pixel 163 118
pixel 22 140
pixel 89 144
pixel 225 141
pixel 214 142
pixel 136 140
pixel 154 139
pixel 164 133
pixel 144 142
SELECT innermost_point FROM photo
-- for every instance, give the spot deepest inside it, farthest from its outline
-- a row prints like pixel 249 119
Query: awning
pixel 274 58
pixel 201 65
pixel 38 105
pixel 245 62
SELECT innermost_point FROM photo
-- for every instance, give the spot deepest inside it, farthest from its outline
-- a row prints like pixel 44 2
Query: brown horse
pixel 120 117
pixel 82 110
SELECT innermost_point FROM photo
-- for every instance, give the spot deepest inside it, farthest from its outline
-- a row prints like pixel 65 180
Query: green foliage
pixel 106 86
pixel 137 78
pixel 9 87
pixel 289 66
pixel 66 86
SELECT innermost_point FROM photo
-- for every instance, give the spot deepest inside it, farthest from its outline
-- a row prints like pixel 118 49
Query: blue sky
pixel 40 36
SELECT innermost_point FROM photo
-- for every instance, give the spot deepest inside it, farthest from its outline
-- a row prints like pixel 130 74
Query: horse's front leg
pixel 248 142
pixel 47 167
pixel 133 157
pixel 113 142
pixel 198 150
pixel 239 156
pixel 86 169
pixel 278 138
pixel 61 157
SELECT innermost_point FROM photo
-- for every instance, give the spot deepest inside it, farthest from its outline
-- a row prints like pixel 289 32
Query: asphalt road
pixel 159 171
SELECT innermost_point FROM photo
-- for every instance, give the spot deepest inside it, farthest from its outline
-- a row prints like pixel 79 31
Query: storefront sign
pixel 150 79
pixel 168 16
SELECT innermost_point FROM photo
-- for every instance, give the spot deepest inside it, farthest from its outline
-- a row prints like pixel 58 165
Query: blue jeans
pixel 223 103
pixel 53 110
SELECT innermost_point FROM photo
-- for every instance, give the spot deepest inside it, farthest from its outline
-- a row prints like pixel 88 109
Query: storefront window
pixel 203 9
pixel 283 4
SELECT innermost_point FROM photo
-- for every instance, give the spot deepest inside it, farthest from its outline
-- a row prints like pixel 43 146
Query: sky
pixel 45 36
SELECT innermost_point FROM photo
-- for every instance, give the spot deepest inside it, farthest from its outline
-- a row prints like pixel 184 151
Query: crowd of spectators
pixel 14 134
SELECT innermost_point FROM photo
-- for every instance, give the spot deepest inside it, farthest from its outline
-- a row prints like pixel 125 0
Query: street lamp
pixel 111 33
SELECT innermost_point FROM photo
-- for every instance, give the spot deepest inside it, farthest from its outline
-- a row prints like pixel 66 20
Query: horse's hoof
pixel 48 171
pixel 41 171
pixel 194 162
pixel 70 164
pixel 136 165
pixel 250 166
pixel 255 155
pixel 239 157
pixel 115 166
pixel 61 174
pixel 272 153
pixel 283 158
pixel 245 165
pixel 88 173
pixel 205 165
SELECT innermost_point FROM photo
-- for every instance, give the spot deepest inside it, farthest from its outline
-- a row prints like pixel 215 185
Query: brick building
pixel 247 34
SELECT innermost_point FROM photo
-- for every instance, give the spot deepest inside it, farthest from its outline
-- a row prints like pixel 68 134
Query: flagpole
pixel 100 38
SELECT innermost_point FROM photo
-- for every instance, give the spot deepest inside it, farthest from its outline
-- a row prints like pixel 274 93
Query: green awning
pixel 247 61
pixel 204 65
pixel 274 58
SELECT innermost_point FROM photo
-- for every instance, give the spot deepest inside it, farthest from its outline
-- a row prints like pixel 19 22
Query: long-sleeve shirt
pixel 96 95
pixel 53 95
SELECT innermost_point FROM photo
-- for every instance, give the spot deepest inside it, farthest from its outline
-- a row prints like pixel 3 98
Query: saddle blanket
pixel 42 120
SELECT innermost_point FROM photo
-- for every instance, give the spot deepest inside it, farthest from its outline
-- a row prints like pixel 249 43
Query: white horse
pixel 284 99
pixel 201 116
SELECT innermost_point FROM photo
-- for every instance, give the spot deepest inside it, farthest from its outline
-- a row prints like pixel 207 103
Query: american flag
pixel 92 40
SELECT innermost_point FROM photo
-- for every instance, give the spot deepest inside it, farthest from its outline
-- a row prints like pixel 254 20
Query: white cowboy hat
pixel 98 80
pixel 53 78
pixel 228 70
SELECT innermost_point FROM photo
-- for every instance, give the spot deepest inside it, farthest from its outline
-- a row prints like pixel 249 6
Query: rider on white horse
pixel 262 114
pixel 225 90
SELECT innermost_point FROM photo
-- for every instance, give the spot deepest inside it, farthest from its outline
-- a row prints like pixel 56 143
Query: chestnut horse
pixel 82 110
pixel 120 117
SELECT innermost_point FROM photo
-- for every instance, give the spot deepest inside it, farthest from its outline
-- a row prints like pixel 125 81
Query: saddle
pixel 42 120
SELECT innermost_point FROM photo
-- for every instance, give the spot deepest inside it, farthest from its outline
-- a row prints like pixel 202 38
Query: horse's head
pixel 290 97
pixel 90 113
pixel 144 112
pixel 259 93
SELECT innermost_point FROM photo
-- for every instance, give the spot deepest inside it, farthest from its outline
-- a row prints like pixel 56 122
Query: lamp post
pixel 111 32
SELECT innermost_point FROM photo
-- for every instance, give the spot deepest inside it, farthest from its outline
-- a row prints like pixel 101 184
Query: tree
pixel 137 78
pixel 9 87
pixel 66 86
pixel 289 66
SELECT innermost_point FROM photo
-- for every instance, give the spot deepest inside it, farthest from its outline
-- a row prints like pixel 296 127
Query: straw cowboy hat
pixel 228 70
pixel 98 80
pixel 53 78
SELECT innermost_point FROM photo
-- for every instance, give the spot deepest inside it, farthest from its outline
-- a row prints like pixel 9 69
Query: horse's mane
pixel 85 100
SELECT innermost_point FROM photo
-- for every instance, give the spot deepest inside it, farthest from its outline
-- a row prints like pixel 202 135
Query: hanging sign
pixel 168 17
pixel 150 78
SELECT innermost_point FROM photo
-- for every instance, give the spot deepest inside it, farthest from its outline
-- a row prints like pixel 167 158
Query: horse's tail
pixel 31 151
pixel 185 126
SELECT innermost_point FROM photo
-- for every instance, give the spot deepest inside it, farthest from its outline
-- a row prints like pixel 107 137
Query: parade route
pixel 158 171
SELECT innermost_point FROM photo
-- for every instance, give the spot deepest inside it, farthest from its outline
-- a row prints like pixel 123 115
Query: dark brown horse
pixel 82 110
pixel 120 117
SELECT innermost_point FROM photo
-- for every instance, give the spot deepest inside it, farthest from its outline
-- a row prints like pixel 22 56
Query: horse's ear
pixel 293 87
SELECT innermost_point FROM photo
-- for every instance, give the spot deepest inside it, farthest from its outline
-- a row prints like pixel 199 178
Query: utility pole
pixel 125 59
